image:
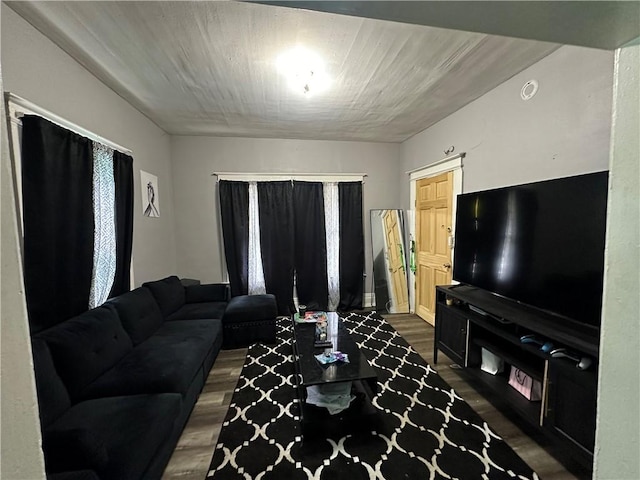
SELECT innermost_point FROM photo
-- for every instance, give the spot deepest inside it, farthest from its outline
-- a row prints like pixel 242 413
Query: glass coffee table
pixel 356 375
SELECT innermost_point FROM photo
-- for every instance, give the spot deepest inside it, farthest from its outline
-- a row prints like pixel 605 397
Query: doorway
pixel 433 193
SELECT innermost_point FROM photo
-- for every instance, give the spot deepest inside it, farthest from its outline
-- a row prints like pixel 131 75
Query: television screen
pixel 541 244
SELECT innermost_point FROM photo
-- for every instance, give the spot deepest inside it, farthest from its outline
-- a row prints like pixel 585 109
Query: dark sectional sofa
pixel 117 383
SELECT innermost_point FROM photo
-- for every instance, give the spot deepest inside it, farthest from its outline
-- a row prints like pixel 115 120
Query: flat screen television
pixel 540 244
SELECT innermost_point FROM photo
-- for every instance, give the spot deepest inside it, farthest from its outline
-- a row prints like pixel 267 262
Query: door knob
pixel 446 266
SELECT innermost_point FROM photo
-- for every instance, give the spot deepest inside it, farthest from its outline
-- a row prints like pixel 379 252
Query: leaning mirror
pixel 389 261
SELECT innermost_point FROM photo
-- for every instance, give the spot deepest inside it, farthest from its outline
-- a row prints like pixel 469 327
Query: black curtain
pixel 351 245
pixel 234 208
pixel 57 186
pixel 310 245
pixel 275 204
pixel 123 176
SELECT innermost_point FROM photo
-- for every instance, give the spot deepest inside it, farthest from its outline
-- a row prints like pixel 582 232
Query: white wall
pixel 566 129
pixel 36 69
pixel 20 454
pixel 618 424
pixel 196 196
pixel 563 130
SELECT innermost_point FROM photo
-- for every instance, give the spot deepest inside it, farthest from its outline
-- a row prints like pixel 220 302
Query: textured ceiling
pixel 209 68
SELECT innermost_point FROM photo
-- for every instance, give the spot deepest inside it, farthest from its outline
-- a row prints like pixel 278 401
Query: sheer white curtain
pixel 256 274
pixel 104 217
pixel 332 228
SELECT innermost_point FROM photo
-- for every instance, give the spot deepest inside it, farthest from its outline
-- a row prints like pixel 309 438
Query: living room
pixel 568 131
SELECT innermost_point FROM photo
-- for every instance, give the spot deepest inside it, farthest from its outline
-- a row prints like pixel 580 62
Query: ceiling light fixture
pixel 304 71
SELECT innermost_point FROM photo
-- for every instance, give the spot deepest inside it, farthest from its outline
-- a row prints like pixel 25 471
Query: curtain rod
pixel 17 107
pixel 288 176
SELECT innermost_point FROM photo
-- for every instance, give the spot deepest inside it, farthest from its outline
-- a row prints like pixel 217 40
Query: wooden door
pixel 397 270
pixel 434 197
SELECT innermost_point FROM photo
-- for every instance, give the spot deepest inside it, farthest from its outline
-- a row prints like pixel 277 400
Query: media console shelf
pixel 469 319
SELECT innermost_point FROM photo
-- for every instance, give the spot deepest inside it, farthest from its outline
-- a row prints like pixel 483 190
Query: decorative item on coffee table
pixel 322 339
pixel 309 316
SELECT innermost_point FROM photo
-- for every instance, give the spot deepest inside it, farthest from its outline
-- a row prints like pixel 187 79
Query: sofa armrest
pixel 211 292
pixel 73 449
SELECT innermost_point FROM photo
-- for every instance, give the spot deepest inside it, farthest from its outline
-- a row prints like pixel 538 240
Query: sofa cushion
pixel 53 399
pixel 74 448
pixel 168 292
pixel 131 429
pixel 86 346
pixel 211 292
pixel 166 362
pixel 139 313
pixel 196 311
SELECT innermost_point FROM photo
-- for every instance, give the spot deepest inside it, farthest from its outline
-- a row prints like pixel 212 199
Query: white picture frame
pixel 149 195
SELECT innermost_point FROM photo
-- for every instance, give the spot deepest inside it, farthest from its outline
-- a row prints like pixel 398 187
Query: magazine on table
pixel 314 317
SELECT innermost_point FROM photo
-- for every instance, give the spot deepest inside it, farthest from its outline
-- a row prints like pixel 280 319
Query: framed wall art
pixel 150 198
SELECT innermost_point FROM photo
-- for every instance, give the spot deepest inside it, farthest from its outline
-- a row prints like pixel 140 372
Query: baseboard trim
pixel 368 300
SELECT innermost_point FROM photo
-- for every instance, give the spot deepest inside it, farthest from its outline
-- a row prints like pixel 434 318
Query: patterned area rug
pixel 424 429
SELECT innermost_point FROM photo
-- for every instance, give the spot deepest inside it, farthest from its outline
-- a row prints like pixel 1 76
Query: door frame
pixel 448 164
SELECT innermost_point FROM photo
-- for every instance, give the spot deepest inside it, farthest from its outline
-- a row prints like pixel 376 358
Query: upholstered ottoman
pixel 249 319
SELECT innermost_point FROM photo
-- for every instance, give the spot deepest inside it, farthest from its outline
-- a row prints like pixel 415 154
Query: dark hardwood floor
pixel 193 453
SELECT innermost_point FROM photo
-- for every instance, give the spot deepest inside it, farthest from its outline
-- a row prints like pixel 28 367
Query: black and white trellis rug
pixel 424 429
